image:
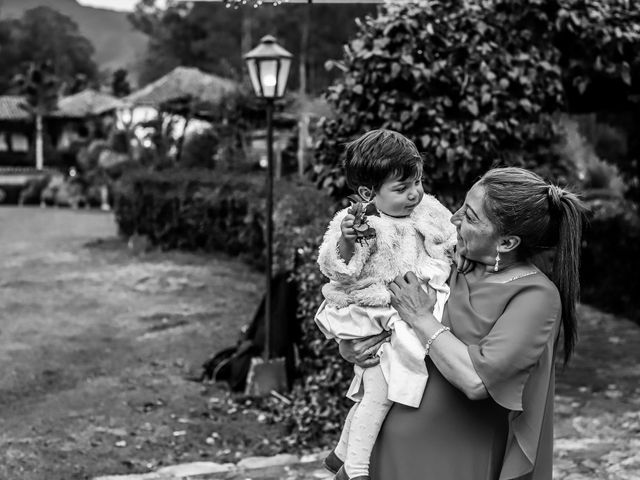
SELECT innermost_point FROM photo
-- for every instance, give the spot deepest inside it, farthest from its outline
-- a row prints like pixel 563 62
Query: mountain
pixel 117 44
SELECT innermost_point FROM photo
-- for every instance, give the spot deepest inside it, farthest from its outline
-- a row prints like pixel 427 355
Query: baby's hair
pixel 379 155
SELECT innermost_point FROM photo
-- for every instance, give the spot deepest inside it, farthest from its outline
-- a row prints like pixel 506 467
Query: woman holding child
pixel 487 409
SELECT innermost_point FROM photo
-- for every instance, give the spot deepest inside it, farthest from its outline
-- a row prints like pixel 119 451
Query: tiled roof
pixel 10 108
pixel 183 81
pixel 87 103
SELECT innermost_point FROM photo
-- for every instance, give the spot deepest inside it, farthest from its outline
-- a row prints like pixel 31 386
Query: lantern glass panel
pixel 283 74
pixel 252 66
pixel 268 71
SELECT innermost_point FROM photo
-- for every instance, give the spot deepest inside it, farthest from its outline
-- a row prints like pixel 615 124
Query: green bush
pixel 219 211
pixel 199 150
pixel 470 85
pixel 193 210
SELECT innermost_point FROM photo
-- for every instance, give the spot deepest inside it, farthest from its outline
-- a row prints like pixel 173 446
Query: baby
pixel 398 229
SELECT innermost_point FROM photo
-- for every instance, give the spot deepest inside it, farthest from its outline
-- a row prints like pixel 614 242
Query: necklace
pixel 524 274
pixel 528 270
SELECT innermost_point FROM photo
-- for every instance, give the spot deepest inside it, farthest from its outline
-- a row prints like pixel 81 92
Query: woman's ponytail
pixel 566 264
pixel 547 219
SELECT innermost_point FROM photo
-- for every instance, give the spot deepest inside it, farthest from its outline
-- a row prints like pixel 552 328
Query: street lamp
pixel 268 66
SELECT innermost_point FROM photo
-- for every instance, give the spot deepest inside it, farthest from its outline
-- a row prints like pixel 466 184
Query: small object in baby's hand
pixel 360 211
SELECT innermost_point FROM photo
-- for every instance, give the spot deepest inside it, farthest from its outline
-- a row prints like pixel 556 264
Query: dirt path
pixel 96 345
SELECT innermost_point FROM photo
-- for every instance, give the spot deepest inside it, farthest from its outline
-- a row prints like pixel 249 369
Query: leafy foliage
pixel 191 209
pixel 198 209
pixel 41 35
pixel 199 150
pixel 474 84
pixel 466 83
pixel 209 36
pixel 39 85
pixel 599 45
pixel 120 86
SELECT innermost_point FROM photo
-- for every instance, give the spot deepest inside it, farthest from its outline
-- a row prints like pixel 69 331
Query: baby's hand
pixel 346 226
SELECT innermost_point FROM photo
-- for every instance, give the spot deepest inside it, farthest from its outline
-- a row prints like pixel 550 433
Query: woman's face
pixel 477 238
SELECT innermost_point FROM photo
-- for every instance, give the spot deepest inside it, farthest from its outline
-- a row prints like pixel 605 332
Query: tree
pixel 40 86
pixel 9 56
pixel 79 83
pixel 120 86
pixel 43 34
pixel 213 38
pixel 467 83
pixel 599 44
pixel 475 82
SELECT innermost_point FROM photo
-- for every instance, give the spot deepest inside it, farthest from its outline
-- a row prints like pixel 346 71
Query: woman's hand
pixel 463 264
pixel 410 300
pixel 363 351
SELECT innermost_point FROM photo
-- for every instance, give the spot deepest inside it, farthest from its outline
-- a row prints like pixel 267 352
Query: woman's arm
pixel 451 358
pixel 449 355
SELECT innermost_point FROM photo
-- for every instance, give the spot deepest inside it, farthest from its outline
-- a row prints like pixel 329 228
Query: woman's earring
pixel 497 264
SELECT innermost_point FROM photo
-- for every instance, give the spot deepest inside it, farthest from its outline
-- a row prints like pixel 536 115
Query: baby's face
pixel 398 198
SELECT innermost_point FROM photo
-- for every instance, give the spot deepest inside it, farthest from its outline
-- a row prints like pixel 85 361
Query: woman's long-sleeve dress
pixel 511 330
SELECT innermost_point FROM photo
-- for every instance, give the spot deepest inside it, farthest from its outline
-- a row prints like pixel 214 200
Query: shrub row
pixel 193 210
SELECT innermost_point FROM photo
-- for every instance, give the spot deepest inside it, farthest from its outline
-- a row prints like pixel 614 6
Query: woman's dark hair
pixel 378 155
pixel 545 217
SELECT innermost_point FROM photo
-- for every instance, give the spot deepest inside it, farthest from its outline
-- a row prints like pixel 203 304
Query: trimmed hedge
pixel 193 210
pixel 211 211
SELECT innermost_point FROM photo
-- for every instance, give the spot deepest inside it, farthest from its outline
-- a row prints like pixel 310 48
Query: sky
pixel 124 5
pixel 121 5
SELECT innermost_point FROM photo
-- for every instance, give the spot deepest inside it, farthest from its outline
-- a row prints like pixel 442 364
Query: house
pixel 71 125
pixel 16 130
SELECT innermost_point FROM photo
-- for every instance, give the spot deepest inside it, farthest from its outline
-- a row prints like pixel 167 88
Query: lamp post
pixel 268 66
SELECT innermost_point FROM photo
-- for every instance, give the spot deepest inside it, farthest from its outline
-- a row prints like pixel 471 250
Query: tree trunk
pixel 39 143
pixel 303 121
pixel 246 42
pixel 180 144
pixel 303 139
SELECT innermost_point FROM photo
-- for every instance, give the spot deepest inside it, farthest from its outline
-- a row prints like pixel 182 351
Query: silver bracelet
pixel 433 338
